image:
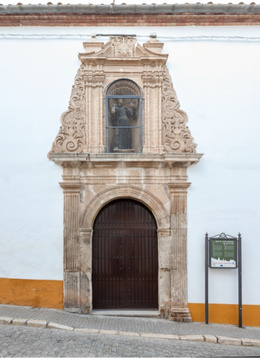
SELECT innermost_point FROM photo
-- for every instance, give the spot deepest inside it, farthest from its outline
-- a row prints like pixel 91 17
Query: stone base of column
pixel 180 314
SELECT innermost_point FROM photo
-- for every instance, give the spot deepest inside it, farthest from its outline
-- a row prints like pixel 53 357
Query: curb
pixel 198 337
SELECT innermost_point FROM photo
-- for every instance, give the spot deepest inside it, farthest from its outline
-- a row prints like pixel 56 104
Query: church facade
pixel 106 199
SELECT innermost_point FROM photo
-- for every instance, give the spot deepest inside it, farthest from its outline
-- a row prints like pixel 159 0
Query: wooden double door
pixel 125 257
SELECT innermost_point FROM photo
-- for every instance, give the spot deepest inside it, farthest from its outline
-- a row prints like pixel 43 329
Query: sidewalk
pixel 132 326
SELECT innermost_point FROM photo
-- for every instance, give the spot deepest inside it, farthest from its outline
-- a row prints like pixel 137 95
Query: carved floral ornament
pixel 72 138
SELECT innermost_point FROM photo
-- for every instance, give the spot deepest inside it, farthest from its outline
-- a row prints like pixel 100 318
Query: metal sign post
pixel 206 279
pixel 223 252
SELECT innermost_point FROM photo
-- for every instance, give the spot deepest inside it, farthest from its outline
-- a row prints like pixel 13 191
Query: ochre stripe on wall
pixel 49 294
pixel 34 293
pixel 227 314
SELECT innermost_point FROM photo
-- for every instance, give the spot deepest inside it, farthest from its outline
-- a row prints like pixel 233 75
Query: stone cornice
pixel 130 15
pixel 140 160
pixel 70 187
pixel 131 61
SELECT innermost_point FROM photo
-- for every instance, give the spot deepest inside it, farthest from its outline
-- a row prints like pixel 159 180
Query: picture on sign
pixel 223 253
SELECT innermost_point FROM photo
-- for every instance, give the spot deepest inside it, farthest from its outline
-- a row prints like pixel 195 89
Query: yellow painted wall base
pixel 34 293
pixel 49 294
pixel 226 314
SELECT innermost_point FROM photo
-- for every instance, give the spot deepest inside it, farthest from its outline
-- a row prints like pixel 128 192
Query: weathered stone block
pixel 250 342
pixel 59 326
pixel 36 323
pixel 229 341
pixel 19 321
pixel 6 320
pixel 210 338
pixel 192 337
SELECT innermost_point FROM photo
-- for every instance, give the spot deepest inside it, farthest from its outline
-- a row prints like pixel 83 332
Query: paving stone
pixel 210 338
pixel 229 340
pixel 36 323
pixel 19 321
pixel 159 335
pixel 133 334
pixel 59 326
pixel 195 337
pixel 6 320
pixel 26 341
pixel 250 342
pixel 106 331
pixel 86 330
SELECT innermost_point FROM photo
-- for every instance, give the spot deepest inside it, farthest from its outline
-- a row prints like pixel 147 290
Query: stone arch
pixel 144 196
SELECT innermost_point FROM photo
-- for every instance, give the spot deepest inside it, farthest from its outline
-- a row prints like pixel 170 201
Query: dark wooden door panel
pixel 125 257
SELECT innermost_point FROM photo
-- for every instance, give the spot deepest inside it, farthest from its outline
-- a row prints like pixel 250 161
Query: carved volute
pixel 83 126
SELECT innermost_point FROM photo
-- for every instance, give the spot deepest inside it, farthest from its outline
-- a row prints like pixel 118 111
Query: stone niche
pixel 125 136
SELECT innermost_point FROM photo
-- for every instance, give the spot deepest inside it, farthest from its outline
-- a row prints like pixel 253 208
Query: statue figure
pixel 121 116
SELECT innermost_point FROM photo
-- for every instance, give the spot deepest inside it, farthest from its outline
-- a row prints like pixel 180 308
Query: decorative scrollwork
pixel 176 135
pixel 71 136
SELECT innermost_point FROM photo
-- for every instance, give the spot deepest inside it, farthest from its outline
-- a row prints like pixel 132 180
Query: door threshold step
pixel 127 313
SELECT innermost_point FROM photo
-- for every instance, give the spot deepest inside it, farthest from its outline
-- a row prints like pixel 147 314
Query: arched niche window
pixel 123 117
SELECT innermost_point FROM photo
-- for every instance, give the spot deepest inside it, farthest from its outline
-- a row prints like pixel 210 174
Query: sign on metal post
pixel 223 252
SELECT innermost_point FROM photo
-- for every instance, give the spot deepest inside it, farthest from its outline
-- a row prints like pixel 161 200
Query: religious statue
pixel 121 116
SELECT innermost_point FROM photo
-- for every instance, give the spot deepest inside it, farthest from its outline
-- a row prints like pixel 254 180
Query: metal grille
pixel 125 257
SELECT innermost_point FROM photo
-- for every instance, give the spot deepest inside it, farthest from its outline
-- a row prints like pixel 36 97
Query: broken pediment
pixel 85 125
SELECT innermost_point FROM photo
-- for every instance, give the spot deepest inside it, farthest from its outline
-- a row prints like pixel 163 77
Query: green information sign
pixel 223 253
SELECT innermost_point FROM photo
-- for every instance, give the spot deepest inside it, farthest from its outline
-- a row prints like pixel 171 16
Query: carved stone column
pixel 95 125
pixel 85 248
pixel 71 192
pixel 152 82
pixel 179 294
pixel 164 252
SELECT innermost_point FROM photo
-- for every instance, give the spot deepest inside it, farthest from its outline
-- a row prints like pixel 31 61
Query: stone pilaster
pixel 164 260
pixel 95 125
pixel 152 82
pixel 179 295
pixel 85 247
pixel 71 192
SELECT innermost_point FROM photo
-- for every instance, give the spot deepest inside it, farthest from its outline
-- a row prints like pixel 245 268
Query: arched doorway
pixel 125 257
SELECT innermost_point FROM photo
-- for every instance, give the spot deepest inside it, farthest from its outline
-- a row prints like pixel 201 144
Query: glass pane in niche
pixel 123 125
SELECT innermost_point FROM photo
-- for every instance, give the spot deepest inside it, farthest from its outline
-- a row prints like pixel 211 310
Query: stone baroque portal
pixel 125 137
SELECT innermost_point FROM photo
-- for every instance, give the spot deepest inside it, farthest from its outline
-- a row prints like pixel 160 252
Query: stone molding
pixel 122 191
pixel 171 160
pixel 156 177
pixel 164 123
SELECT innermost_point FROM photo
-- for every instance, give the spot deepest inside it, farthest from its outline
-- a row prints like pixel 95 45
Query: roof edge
pixel 132 9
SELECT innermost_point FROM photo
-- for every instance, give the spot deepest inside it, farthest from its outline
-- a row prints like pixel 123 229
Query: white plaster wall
pixel 217 83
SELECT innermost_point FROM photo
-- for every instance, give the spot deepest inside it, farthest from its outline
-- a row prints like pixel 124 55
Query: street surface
pixel 25 341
